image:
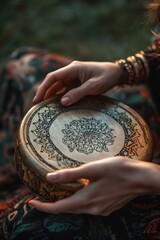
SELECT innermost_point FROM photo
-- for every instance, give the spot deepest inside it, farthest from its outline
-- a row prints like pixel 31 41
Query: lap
pixel 140 218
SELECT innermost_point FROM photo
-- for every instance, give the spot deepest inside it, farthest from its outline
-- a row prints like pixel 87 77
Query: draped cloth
pixel 138 220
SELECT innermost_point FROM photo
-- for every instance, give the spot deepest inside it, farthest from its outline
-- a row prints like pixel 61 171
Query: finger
pixel 69 204
pixel 65 74
pixel 54 89
pixel 74 95
pixel 86 171
pixel 74 204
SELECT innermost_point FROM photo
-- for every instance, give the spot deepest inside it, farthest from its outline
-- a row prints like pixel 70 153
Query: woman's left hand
pixel 113 182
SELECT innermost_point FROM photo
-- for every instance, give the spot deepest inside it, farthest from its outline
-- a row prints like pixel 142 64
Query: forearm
pixel 135 69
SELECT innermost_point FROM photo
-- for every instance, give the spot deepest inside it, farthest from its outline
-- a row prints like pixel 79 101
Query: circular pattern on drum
pixel 52 136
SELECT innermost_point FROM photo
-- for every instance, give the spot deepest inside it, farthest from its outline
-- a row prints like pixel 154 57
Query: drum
pixel 53 137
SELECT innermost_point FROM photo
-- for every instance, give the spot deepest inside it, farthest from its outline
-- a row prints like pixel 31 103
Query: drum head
pixel 53 137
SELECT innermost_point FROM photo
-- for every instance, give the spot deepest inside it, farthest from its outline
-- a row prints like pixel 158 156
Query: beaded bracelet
pixel 135 69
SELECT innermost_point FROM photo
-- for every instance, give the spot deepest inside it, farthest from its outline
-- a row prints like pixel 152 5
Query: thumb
pixel 86 171
pixel 75 94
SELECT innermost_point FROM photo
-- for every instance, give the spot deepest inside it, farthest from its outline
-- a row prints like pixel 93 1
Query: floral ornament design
pixel 88 135
pixel 85 135
pixel 132 135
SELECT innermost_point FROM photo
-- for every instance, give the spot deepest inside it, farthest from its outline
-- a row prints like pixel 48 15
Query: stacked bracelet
pixel 135 69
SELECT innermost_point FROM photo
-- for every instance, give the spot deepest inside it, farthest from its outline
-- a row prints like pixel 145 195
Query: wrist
pixel 148 178
pixel 121 73
pixel 135 69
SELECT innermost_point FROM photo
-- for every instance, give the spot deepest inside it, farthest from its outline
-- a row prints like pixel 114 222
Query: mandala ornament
pixel 41 131
pixel 87 135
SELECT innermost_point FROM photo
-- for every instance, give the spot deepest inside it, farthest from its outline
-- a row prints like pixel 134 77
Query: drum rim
pixel 43 168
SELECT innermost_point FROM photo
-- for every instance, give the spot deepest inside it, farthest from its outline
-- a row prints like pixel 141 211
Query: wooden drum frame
pixel 53 137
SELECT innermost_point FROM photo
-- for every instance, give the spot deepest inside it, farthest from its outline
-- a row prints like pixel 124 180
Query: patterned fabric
pixel 138 220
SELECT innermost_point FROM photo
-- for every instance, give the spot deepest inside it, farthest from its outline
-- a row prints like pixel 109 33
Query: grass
pixel 84 30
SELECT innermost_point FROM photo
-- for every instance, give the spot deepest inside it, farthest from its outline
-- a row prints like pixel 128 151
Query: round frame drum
pixel 53 137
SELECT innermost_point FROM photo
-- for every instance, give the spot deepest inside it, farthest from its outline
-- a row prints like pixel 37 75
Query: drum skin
pixel 53 137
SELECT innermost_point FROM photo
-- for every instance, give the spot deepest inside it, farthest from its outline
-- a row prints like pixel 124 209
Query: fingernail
pixel 34 99
pixel 65 100
pixel 51 176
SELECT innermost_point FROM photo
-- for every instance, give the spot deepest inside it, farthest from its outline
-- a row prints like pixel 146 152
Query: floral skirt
pixel 138 220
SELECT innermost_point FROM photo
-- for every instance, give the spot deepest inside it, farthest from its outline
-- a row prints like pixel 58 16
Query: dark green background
pixel 84 30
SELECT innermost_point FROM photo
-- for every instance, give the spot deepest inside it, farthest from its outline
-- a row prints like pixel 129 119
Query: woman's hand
pixel 79 79
pixel 113 182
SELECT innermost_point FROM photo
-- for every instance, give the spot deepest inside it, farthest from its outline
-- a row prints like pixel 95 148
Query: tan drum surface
pixel 53 137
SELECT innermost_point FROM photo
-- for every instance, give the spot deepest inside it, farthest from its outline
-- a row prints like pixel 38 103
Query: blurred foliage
pixel 82 29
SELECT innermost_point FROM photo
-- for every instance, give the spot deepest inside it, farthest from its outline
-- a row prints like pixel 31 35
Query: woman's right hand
pixel 110 184
pixel 79 79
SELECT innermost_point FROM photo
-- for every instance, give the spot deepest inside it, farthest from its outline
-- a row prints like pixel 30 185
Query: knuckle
pixel 43 86
pixel 75 94
pixel 75 62
pixel 77 68
pixel 94 87
pixel 76 65
pixel 49 75
pixel 95 210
